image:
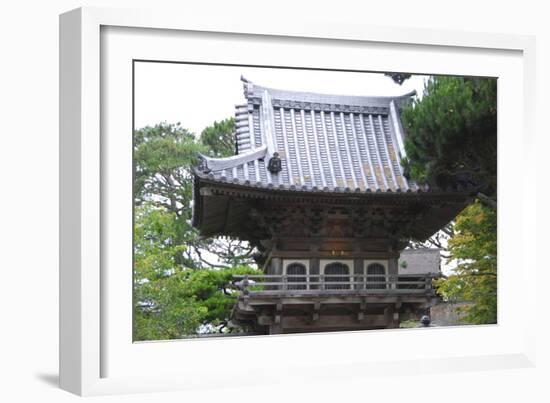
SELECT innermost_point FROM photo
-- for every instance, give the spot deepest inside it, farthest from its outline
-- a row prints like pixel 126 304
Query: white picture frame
pixel 86 298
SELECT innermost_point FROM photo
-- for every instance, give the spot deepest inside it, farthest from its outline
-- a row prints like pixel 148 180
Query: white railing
pixel 338 283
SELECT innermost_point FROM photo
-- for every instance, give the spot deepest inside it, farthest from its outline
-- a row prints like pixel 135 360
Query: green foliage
pixel 219 138
pixel 452 133
pixel 210 287
pixel 172 300
pixel 156 246
pixel 452 141
pixel 162 157
pixel 408 324
pixel 160 312
pixel 474 249
pixel 177 291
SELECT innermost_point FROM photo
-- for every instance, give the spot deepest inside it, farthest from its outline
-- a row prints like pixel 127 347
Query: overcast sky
pixel 198 95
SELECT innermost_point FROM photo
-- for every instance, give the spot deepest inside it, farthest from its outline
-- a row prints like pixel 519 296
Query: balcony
pixel 295 285
pixel 289 303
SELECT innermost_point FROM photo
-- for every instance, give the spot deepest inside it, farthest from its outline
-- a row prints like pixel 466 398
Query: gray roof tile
pixel 331 143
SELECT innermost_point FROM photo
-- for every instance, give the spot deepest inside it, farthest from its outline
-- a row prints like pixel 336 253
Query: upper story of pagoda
pixel 317 149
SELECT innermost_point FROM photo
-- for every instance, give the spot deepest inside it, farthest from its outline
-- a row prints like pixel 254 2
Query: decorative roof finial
pixel 274 165
pixel 398 78
pixel 203 164
pixel 247 86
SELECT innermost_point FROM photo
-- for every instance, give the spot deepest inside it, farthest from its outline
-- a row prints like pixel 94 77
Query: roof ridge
pixel 255 91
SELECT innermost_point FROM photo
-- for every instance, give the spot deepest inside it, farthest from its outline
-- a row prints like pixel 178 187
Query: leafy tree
pixel 219 138
pixel 172 300
pixel 452 133
pixel 181 281
pixel 160 311
pixel 474 249
pixel 452 142
pixel 438 240
pixel 163 156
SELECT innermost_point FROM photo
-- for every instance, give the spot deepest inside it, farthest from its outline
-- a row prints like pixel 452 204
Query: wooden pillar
pixel 396 319
pixel 276 266
pixel 314 264
pixel 389 317
pixel 397 313
pixel 358 269
pixel 393 270
pixel 277 326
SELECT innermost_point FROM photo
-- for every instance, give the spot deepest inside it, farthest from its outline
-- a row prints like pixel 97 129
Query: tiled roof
pixel 327 143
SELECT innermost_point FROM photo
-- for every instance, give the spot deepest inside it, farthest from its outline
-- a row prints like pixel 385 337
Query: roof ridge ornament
pixel 202 164
pixel 248 87
pixel 274 165
pixel 398 78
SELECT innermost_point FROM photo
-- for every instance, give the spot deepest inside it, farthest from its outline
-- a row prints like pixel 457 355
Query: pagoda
pixel 317 185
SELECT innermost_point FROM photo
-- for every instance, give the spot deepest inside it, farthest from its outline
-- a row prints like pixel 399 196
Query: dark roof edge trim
pixel 272 192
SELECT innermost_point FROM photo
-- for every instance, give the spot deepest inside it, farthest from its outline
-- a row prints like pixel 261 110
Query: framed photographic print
pixel 315 200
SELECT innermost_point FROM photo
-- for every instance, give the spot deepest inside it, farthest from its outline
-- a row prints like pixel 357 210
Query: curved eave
pixel 271 191
pixel 223 209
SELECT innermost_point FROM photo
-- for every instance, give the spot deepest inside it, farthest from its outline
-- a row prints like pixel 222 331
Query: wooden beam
pixel 333 322
pixel 336 300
